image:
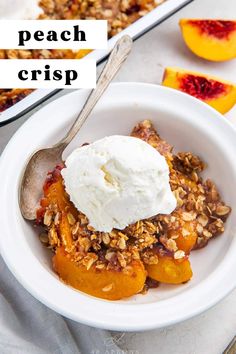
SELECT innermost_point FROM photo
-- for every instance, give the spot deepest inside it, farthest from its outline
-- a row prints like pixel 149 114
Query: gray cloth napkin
pixel 29 327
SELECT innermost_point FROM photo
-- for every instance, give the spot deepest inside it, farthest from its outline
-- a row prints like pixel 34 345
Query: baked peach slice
pixel 170 270
pixel 218 93
pixel 102 283
pixel 210 39
pixel 186 242
pixel 54 194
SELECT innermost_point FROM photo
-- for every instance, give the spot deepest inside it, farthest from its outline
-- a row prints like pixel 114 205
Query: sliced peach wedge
pixel 171 271
pixel 210 39
pixel 103 283
pixel 218 93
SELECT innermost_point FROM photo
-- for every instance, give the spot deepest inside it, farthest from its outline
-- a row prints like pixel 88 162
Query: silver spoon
pixel 46 159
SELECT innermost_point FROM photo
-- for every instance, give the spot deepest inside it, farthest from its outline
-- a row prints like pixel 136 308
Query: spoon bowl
pixel 40 163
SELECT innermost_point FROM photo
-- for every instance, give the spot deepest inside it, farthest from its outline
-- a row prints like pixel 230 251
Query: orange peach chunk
pixel 186 242
pixel 103 283
pixel 54 194
pixel 218 93
pixel 186 236
pixel 169 270
pixel 210 39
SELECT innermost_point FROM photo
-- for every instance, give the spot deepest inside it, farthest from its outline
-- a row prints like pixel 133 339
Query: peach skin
pixel 218 93
pixel 210 39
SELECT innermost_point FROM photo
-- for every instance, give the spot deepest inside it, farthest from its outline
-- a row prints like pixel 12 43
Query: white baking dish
pixel 135 30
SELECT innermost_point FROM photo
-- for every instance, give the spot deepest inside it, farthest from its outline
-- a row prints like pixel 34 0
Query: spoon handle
pixel 118 55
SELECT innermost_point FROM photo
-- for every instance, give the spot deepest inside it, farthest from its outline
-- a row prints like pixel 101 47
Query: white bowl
pixel 183 121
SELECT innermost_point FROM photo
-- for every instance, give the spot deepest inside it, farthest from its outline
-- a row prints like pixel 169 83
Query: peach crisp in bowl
pixel 136 230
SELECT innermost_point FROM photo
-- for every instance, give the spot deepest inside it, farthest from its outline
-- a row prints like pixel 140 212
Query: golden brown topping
pixel 122 244
pixel 222 210
pixel 179 254
pixel 207 233
pixel 71 219
pixel 189 216
pixel 57 218
pixel 106 238
pixel 53 237
pixel 44 238
pixel 203 219
pixel 47 218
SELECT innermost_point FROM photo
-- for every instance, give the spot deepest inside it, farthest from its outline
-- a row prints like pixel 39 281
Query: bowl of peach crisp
pixel 136 228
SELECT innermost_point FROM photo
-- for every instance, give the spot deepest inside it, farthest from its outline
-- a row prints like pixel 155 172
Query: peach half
pixel 210 39
pixel 218 93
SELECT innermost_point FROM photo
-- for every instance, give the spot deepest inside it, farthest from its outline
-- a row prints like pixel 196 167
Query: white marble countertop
pixel 210 332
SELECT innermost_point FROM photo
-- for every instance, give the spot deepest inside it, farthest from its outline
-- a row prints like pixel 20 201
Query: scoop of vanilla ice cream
pixel 19 9
pixel 117 181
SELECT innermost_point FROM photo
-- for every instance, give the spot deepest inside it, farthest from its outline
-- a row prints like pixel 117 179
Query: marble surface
pixel 210 332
